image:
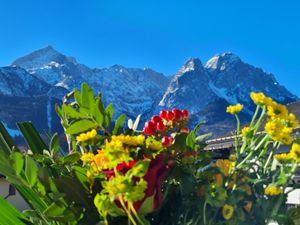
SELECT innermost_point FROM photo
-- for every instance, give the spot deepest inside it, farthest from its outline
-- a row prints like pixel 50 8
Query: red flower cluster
pixel 166 121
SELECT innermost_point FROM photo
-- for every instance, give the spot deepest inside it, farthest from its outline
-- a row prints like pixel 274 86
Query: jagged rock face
pixel 189 88
pixel 224 80
pixel 46 75
pixel 132 91
pixel 15 81
pixel 233 80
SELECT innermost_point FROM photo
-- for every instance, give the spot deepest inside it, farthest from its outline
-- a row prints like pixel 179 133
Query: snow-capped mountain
pixel 189 88
pixel 225 79
pixel 233 80
pixel 35 82
pixel 133 91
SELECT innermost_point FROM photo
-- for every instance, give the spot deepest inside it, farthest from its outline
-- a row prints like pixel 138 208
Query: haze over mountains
pixel 31 86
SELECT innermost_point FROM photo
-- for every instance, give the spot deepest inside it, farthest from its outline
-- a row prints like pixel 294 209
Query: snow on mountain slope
pixel 15 81
pixel 46 75
pixel 189 88
pixel 133 91
pixel 235 79
pixel 224 80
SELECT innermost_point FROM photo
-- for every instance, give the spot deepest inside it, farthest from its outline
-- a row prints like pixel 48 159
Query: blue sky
pixel 157 34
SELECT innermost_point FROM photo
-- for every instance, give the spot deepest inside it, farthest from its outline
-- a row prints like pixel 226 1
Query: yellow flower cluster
pixel 234 109
pixel 276 110
pixel 278 131
pixel 119 147
pixel 227 211
pixel 246 131
pixel 295 151
pixel 293 154
pixel 283 157
pixel 224 165
pixel 280 123
pixel 98 162
pixel 272 190
pixel 121 185
pixel 120 140
pixel 86 136
pixel 260 99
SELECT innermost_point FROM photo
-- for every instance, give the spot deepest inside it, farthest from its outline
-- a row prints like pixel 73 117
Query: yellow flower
pixel 232 157
pixel 278 131
pixel 224 165
pixel 295 151
pixel 234 109
pixel 277 110
pixel 272 190
pixel 246 131
pixel 86 136
pixel 283 157
pixel 101 161
pixel 227 211
pixel 128 140
pixel 291 121
pixel 260 99
pixel 87 157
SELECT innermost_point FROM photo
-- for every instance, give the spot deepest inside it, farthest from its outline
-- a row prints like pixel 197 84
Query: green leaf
pixel 72 158
pixel 70 112
pixel 54 210
pixel 73 190
pixel 80 126
pixel 32 137
pixel 10 215
pixel 17 161
pixel 119 123
pixel 109 112
pixel 140 168
pixel 203 137
pixel 80 174
pixel 58 111
pixel 32 198
pixel 6 142
pixel 31 171
pixel 97 112
pixel 191 138
pixel 54 143
pixel 147 206
pixel 87 96
pixel 77 97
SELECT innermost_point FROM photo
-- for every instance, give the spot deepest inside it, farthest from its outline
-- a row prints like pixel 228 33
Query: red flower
pixel 155 176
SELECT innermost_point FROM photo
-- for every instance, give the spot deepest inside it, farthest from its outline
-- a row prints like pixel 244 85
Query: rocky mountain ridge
pixel 205 90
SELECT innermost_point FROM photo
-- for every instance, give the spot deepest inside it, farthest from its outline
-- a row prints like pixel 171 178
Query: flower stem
pixel 268 161
pixel 259 121
pixel 135 213
pixel 127 211
pixel 254 116
pixel 237 139
pixel 204 213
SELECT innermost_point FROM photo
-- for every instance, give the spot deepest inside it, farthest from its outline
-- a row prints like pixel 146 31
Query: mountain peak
pixel 191 64
pixel 222 61
pixel 42 57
